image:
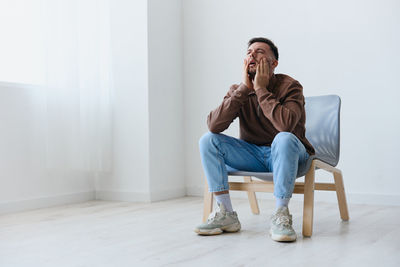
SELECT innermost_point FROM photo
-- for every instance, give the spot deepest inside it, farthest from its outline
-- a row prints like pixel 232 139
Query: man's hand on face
pixel 261 80
pixel 246 77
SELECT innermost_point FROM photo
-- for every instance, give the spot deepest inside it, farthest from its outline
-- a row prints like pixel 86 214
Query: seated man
pixel 272 119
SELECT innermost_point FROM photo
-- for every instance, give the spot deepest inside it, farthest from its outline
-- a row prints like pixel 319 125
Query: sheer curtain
pixel 77 84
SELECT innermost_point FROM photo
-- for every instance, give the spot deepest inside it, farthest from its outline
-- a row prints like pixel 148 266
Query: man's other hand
pixel 261 80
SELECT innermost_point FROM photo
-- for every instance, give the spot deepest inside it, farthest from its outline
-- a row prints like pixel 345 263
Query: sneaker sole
pixel 217 231
pixel 282 238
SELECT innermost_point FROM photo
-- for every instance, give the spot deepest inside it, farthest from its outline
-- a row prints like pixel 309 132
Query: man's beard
pixel 252 74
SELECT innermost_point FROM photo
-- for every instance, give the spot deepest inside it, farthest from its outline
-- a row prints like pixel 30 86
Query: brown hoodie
pixel 263 113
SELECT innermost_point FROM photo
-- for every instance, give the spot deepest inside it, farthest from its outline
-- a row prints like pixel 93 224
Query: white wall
pixel 130 176
pixel 349 48
pixel 147 130
pixel 166 99
pixel 26 180
pixel 148 124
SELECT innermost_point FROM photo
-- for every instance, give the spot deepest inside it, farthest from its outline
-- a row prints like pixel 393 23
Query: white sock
pixel 225 200
pixel 281 202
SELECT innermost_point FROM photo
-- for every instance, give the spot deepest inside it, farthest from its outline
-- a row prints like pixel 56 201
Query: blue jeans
pixel 282 158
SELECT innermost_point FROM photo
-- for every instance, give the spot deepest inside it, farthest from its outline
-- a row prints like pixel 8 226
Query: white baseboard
pixel 122 196
pixel 51 201
pixel 140 196
pixel 168 194
pixel 45 202
pixel 319 196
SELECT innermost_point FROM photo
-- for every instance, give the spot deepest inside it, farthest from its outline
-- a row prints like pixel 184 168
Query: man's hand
pixel 246 77
pixel 261 80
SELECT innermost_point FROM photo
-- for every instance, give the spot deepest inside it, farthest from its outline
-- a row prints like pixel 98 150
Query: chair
pixel 323 132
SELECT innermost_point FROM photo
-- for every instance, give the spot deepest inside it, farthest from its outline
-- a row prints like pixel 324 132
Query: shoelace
pixel 282 220
pixel 214 215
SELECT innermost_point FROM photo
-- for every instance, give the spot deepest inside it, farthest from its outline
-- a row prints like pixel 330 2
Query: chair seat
pixel 267 176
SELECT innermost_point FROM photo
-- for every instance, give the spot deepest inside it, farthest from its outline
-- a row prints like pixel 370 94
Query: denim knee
pixel 207 139
pixel 284 140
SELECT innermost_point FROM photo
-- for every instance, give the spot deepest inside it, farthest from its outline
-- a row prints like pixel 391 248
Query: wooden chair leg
pixel 252 197
pixel 341 196
pixel 308 209
pixel 208 202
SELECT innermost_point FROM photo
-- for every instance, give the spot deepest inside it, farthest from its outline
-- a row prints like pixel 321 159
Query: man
pixel 271 113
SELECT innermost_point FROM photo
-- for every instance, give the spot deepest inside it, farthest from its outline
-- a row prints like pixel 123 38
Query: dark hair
pixel 271 45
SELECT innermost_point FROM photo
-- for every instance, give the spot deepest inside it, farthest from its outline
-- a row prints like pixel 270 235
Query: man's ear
pixel 274 65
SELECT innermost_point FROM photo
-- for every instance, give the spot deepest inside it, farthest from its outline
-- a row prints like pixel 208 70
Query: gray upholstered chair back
pixel 323 127
pixel 322 130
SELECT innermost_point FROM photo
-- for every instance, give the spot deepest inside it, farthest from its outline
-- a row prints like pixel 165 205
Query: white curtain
pixel 77 84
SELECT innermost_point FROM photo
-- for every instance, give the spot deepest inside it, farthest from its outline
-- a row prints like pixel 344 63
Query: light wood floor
pixel 117 234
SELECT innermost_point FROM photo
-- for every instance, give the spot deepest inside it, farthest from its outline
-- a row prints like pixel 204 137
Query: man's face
pixel 256 52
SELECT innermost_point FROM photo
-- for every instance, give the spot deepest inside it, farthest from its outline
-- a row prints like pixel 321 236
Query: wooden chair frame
pixel 307 188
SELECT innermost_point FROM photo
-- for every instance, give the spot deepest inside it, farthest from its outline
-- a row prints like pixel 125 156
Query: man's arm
pixel 284 116
pixel 220 118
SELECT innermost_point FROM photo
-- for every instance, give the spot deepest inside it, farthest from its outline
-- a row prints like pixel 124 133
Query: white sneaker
pixel 221 221
pixel 281 226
